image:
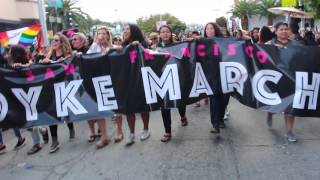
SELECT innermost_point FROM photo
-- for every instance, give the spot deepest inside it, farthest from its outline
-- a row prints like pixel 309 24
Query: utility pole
pixel 42 18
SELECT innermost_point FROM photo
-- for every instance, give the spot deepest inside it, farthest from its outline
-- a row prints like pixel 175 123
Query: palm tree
pixel 263 7
pixel 72 16
pixel 245 9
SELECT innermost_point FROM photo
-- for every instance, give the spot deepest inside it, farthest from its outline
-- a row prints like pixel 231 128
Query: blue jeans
pixel 35 134
pixel 16 131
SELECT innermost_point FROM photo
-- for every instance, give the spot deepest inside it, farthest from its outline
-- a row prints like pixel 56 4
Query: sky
pixel 189 11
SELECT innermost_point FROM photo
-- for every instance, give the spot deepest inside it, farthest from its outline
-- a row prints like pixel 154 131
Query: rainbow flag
pixel 28 35
pixel 4 39
pixel 24 36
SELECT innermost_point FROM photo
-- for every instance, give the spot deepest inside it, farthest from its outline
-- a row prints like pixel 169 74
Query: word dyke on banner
pixel 138 80
pixel 64 98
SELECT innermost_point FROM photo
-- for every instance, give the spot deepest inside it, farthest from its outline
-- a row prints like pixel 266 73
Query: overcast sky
pixel 193 11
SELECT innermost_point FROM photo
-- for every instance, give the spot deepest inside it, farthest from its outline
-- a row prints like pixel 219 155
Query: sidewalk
pixel 247 149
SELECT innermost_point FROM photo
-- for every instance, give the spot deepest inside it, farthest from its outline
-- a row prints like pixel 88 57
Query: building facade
pixel 18 13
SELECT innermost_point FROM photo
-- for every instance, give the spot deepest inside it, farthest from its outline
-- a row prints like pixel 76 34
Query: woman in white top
pixel 102 44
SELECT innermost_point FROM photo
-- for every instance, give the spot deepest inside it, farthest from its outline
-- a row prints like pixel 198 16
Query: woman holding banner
pixel 102 44
pixel 218 103
pixel 133 35
pixel 18 57
pixel 282 41
pixel 59 51
pixel 166 39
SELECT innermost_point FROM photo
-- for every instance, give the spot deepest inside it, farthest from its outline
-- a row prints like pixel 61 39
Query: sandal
pixel 99 134
pixel 102 143
pixel 92 138
pixel 166 138
pixel 34 149
pixel 184 121
pixel 119 138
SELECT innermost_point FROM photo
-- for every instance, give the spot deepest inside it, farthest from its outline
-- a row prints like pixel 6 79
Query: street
pixel 247 149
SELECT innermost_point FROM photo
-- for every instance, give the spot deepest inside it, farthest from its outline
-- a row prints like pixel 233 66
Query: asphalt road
pixel 246 149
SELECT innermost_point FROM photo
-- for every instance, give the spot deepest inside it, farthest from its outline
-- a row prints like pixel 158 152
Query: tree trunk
pixel 245 22
pixel 270 21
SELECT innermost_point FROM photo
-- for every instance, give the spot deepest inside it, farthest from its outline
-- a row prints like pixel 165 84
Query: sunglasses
pixel 56 40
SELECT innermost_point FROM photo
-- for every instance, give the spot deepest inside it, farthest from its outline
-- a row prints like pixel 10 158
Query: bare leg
pixel 131 118
pixel 145 119
pixel 92 128
pixel 103 128
pixel 289 122
pixel 119 132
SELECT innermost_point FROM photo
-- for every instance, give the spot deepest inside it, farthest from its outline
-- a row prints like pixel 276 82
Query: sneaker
pixel 72 134
pixel 130 139
pixel 291 137
pixel 20 143
pixel 226 115
pixel 222 125
pixel 145 134
pixel 215 130
pixel 2 148
pixel 54 146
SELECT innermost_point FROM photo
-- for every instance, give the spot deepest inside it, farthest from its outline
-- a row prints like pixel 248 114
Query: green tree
pixel 221 21
pixel 72 16
pixel 263 7
pixel 313 6
pixel 149 25
pixel 245 9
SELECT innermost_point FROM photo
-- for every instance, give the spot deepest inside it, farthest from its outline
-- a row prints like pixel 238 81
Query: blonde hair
pixel 82 38
pixel 107 42
pixel 65 46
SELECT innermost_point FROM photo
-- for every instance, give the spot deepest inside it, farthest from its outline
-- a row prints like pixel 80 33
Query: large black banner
pixel 137 80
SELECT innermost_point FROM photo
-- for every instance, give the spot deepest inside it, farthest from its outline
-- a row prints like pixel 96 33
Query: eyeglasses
pixel 56 40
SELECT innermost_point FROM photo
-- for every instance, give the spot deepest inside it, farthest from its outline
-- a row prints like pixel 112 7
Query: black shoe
pixel 215 130
pixel 2 147
pixel 20 143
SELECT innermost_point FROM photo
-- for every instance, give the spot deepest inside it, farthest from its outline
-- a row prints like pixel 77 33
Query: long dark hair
pixel 136 35
pixel 217 31
pixel 18 55
pixel 265 34
pixel 161 43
